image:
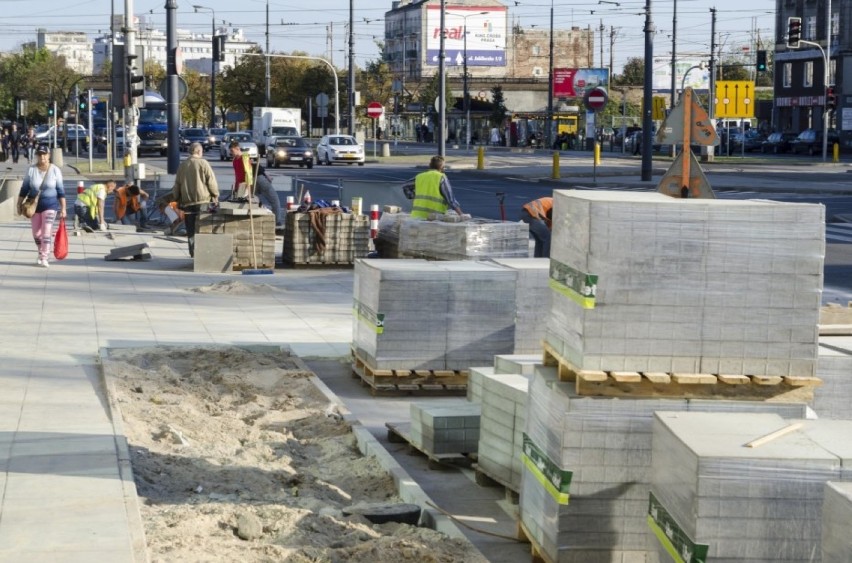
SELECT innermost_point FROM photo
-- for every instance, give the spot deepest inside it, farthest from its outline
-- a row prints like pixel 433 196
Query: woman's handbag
pixel 60 245
pixel 29 205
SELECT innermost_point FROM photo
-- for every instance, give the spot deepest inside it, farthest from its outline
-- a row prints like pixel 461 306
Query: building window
pixel 788 75
pixel 809 73
pixel 536 50
pixel 537 71
pixel 835 24
pixel 809 33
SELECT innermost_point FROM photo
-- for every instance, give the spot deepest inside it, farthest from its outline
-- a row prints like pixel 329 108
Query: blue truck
pixel 152 129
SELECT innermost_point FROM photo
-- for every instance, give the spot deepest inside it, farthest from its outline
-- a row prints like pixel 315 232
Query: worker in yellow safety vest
pixel 90 204
pixel 431 191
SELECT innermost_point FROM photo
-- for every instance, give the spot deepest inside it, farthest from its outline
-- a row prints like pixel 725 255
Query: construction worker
pixel 243 172
pixel 431 191
pixel 538 214
pixel 90 204
pixel 131 200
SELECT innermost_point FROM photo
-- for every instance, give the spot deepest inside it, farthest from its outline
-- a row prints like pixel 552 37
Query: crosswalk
pixel 838 233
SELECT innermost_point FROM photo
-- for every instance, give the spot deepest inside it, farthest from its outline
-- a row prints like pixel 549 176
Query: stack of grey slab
pixel 418 314
pixel 475 239
pixel 833 399
pixel 532 301
pixel 387 239
pixel 587 468
pixel 836 518
pixel 646 282
pixel 715 496
pixel 439 428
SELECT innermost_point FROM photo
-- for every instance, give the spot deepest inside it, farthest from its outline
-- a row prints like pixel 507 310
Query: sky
pixel 319 27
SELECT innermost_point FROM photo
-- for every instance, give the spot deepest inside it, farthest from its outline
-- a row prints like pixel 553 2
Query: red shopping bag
pixel 60 244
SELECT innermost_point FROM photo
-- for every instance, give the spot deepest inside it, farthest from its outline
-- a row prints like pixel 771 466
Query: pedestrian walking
pixel 195 190
pixel 43 180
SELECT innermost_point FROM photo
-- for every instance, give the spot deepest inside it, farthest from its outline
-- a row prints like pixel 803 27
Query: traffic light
pixel 50 109
pixel 830 98
pixel 83 103
pixel 136 86
pixel 219 48
pixel 794 32
pixel 761 61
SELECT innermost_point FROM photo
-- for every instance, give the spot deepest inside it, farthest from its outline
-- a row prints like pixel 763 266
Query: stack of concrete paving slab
pixel 836 518
pixel 504 398
pixel 833 399
pixel 645 282
pixel 587 468
pixel 387 240
pixel 418 314
pixel 713 495
pixel 439 428
pixel 345 237
pixel 474 239
pixel 532 301
pixel 233 219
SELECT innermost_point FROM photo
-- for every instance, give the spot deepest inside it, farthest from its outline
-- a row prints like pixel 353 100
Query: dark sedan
pixel 810 141
pixel 194 135
pixel 777 143
pixel 290 151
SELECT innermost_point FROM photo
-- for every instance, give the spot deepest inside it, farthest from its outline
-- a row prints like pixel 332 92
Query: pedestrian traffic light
pixel 761 61
pixel 83 104
pixel 50 109
pixel 794 32
pixel 830 98
pixel 136 85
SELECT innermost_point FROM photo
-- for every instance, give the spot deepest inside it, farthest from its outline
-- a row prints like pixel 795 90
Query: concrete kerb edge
pixel 139 545
pixel 407 487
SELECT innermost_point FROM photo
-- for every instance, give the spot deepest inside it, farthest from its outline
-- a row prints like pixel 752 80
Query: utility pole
pixel 268 71
pixel 601 29
pixel 647 95
pixel 611 44
pixel 442 84
pixel 548 114
pixel 711 103
pixel 674 56
pixel 131 112
pixel 172 101
pixel 351 67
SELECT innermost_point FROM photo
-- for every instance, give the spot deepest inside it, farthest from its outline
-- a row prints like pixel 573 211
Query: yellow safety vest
pixel 427 195
pixel 249 171
pixel 89 198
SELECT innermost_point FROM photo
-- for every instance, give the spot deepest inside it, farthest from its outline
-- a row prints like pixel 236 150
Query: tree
pixel 633 73
pixel 498 114
pixel 243 86
pixel 733 69
pixel 376 85
pixel 38 76
pixel 196 104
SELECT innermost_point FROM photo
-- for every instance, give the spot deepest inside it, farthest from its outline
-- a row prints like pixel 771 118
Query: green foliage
pixel 195 107
pixel 498 100
pixel 376 85
pixel 35 75
pixel 633 73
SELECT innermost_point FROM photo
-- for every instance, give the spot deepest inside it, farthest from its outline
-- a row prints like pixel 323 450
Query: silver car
pixel 244 138
pixel 339 148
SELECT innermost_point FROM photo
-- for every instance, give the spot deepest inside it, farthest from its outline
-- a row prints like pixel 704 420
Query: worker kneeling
pixel 538 214
pixel 131 204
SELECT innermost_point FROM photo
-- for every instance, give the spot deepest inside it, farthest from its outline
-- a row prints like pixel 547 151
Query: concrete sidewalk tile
pixel 62 443
pixel 66 556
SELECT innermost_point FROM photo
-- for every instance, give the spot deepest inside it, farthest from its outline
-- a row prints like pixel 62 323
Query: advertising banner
pixel 575 82
pixel 486 35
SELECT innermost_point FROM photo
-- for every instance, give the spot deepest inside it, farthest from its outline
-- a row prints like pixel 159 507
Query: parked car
pixel 339 148
pixel 810 141
pixel 633 144
pixel 216 135
pixel 618 139
pixel 194 135
pixel 289 150
pixel 749 141
pixel 244 138
pixel 76 134
pixel 777 143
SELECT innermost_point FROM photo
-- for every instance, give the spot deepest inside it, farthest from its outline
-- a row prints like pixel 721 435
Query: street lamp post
pixel 212 63
pixel 465 95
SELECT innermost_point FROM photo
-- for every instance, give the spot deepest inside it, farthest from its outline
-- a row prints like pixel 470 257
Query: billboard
pixel 575 82
pixel 486 35
pixel 698 79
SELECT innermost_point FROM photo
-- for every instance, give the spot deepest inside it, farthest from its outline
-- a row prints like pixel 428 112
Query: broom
pixel 254 271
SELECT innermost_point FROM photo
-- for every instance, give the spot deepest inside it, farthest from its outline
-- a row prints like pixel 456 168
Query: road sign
pixel 672 183
pixel 596 98
pixel 658 108
pixel 701 131
pixel 322 99
pixel 734 98
pixel 375 110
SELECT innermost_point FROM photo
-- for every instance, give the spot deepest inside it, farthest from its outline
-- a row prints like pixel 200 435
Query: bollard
pixel 374 221
pixel 480 158
pixel 291 202
pixel 385 149
pixel 81 187
pixel 597 154
pixel 555 173
pixel 835 157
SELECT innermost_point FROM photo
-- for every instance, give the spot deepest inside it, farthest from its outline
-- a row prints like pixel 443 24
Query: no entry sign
pixel 595 99
pixel 375 110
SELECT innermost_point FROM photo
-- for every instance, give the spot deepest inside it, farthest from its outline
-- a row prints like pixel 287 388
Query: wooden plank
pixel 658 377
pixel 626 376
pixel 775 435
pixel 766 379
pixel 592 375
pixel 801 381
pixel 694 378
pixel 734 379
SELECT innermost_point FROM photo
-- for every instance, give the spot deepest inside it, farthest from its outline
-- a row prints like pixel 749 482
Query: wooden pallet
pixel 317 265
pixel 399 433
pixel 788 389
pixel 395 381
pixel 536 553
pixel 484 479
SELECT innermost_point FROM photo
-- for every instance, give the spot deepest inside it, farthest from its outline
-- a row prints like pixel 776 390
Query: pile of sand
pixel 238 457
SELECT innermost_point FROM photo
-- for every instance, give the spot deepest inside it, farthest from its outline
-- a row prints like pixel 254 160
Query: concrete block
pixel 213 253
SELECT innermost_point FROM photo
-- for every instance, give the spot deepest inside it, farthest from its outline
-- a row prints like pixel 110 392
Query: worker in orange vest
pixel 538 214
pixel 131 200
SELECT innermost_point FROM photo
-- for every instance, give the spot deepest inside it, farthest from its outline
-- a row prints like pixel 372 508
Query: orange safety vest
pixel 125 203
pixel 538 208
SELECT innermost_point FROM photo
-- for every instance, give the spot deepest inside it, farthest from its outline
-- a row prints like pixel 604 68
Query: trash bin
pixel 9 190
